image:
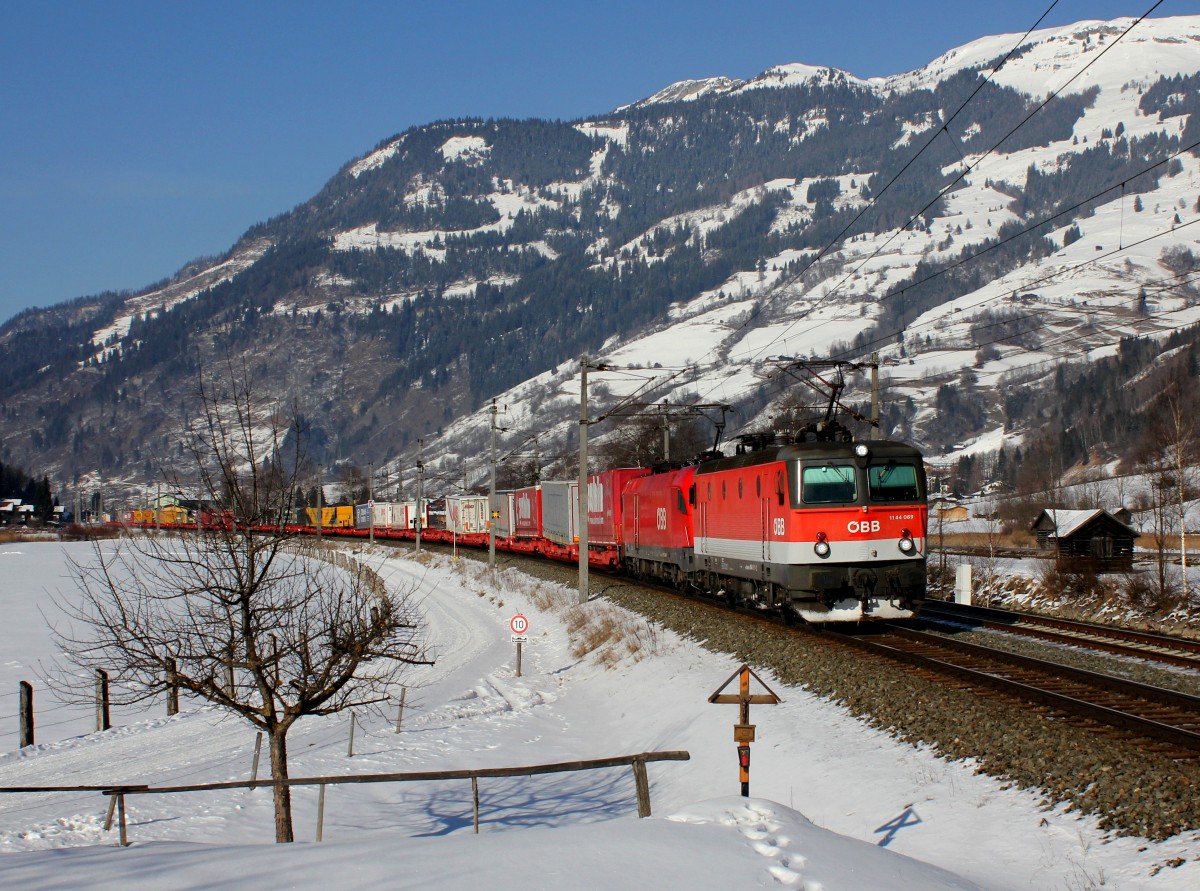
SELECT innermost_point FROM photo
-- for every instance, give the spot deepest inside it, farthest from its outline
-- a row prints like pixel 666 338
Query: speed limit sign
pixel 519 624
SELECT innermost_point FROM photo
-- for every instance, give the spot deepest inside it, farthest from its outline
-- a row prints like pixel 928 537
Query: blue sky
pixel 136 136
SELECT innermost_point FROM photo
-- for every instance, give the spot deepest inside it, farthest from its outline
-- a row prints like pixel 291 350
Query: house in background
pixel 1086 540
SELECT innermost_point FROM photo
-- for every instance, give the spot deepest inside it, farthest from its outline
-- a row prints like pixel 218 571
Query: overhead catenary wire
pixel 888 337
pixel 1071 336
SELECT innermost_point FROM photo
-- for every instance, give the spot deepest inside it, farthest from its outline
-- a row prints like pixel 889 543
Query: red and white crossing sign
pixel 519 625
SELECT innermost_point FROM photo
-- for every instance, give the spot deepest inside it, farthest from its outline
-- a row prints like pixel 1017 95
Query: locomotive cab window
pixel 828 484
pixel 893 481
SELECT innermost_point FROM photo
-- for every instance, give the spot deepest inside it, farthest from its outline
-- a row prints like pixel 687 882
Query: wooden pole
pixel 744 748
pixel 103 715
pixel 582 507
pixel 642 783
pixel 108 818
pixel 321 813
pixel 26 737
pixel 491 523
pixel 121 819
pixel 350 750
pixel 172 688
pixel 475 795
pixel 875 396
pixel 420 487
pixel 257 755
pixel 400 711
pixel 518 658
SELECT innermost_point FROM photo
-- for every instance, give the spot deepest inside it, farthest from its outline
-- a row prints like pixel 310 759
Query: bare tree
pixel 239 612
pixel 1179 440
pixel 1157 502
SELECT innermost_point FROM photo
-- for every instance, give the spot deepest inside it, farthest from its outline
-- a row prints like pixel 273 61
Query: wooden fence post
pixel 400 711
pixel 121 819
pixel 350 750
pixel 103 721
pixel 321 813
pixel 172 689
pixel 26 736
pixel 108 817
pixel 642 783
pixel 257 752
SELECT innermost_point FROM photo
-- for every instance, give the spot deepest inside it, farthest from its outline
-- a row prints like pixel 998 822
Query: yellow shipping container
pixel 334 517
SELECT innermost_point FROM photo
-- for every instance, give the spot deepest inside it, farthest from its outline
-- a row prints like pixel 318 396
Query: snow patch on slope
pixel 376 158
pixel 471 150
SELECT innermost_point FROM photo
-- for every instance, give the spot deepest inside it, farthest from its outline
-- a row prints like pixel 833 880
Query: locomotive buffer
pixel 743 731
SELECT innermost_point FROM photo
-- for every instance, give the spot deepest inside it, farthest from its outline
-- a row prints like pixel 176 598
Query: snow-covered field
pixel 836 805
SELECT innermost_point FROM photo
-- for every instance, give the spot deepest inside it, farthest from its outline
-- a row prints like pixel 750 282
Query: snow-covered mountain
pixel 1014 206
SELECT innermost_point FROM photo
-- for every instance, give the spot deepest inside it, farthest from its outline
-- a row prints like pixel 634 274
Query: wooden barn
pixel 1091 540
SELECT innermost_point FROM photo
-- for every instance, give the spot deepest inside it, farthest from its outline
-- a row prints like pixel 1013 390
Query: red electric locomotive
pixel 830 530
pixel 824 530
pixel 656 526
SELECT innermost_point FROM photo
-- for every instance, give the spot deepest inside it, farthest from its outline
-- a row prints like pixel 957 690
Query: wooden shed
pixel 1092 540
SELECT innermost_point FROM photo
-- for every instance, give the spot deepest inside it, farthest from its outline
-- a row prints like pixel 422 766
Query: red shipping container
pixel 604 503
pixel 528 509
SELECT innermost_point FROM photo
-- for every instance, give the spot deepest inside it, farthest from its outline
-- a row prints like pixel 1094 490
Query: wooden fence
pixel 118 793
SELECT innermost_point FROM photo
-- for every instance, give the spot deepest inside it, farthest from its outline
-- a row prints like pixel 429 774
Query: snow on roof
pixel 1068 522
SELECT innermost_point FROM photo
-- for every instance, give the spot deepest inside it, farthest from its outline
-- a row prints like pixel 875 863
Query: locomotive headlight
pixel 821 548
pixel 861 450
pixel 907 545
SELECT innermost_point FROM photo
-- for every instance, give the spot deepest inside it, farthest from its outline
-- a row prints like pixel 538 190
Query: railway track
pixel 1123 641
pixel 1165 721
pixel 1169 718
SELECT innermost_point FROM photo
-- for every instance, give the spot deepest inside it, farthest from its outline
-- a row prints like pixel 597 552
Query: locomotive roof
pixel 812 451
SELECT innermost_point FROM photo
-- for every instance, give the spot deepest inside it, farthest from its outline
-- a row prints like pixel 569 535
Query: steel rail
pixel 1123 641
pixel 1150 727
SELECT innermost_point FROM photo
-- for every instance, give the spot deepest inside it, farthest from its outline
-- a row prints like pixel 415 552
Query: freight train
pixel 816 527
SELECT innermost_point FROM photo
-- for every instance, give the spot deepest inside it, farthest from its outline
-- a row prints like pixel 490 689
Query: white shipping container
pixel 466 514
pixel 560 506
pixel 389 515
pixel 506 506
pixel 406 514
